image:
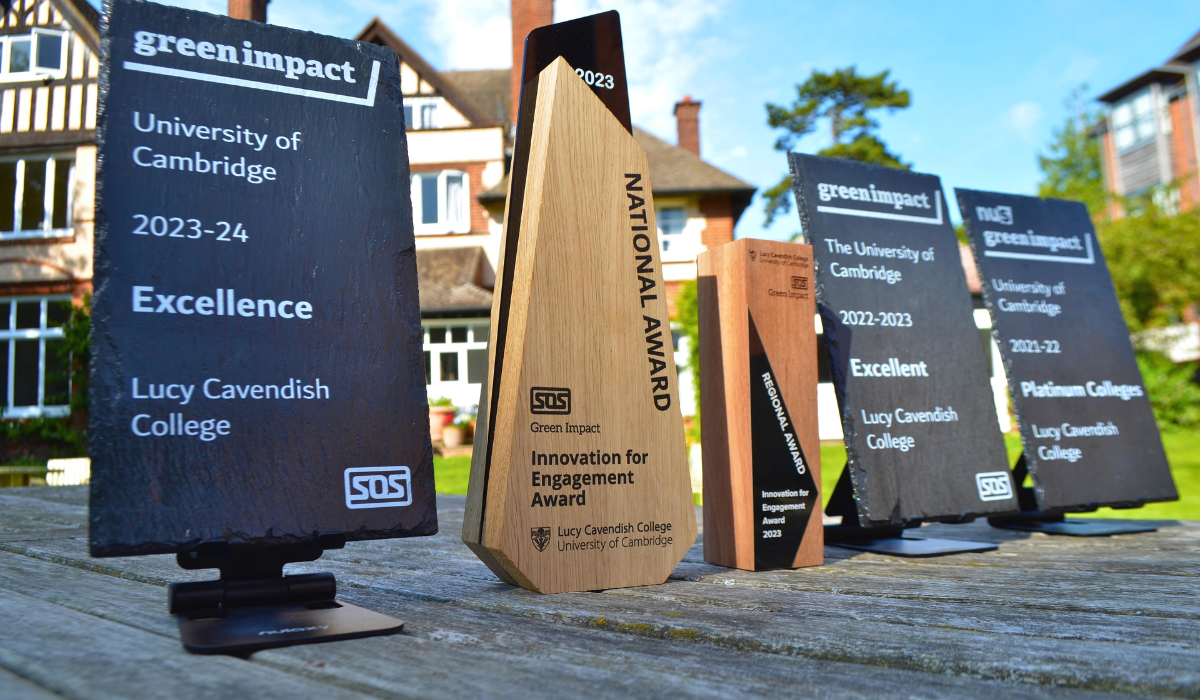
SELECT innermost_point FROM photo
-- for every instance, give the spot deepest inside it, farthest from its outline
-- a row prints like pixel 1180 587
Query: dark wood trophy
pixel 579 480
pixel 758 397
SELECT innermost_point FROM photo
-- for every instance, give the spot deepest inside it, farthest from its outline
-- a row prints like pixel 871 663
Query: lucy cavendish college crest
pixel 541 537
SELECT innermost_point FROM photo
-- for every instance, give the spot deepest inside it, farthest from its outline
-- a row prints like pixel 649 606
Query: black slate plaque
pixel 1086 424
pixel 908 362
pixel 257 372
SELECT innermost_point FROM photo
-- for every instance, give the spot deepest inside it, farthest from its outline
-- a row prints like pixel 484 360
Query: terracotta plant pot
pixel 439 418
pixel 452 436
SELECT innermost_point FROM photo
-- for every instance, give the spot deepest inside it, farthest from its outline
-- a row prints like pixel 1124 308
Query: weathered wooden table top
pixel 1042 617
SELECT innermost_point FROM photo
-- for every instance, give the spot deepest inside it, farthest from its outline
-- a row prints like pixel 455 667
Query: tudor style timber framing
pixel 49 69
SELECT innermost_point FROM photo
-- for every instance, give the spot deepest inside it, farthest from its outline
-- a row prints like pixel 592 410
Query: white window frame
pixel 53 161
pixel 41 334
pixel 416 103
pixel 444 223
pixel 462 392
pixel 677 247
pixel 34 73
pixel 1135 120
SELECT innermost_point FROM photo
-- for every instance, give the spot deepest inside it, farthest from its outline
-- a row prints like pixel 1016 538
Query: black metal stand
pixel 1033 520
pixel 884 540
pixel 254 606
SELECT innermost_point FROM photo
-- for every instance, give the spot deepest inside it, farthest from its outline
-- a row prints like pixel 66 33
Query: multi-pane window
pixel 41 53
pixel 440 202
pixel 675 242
pixel 1134 120
pixel 33 373
pixel 37 193
pixel 421 113
pixel 456 359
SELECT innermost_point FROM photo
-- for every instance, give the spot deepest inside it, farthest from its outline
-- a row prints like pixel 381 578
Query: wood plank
pixel 1097 651
pixel 83 656
pixel 14 687
pixel 448 651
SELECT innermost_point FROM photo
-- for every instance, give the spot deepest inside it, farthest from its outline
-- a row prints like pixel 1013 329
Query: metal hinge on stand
pixel 255 606
pixel 1032 519
pixel 887 539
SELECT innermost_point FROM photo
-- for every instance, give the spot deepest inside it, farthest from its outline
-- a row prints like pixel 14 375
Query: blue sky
pixel 988 80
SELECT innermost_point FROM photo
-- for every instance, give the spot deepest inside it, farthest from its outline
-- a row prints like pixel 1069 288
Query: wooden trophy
pixel 758 396
pixel 579 480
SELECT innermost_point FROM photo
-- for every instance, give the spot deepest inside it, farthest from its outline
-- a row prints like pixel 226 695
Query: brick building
pixel 461 128
pixel 1151 134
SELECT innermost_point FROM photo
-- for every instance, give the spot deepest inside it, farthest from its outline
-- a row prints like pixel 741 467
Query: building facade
pixel 1150 136
pixel 49 66
pixel 460 139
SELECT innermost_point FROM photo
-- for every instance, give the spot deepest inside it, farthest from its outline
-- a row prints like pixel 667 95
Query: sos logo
pixel 547 400
pixel 993 486
pixel 378 487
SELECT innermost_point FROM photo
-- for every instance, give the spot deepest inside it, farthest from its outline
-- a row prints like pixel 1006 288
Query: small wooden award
pixel 758 399
pixel 579 479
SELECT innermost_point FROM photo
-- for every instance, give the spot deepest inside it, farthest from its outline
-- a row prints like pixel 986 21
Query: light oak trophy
pixel 579 479
pixel 758 397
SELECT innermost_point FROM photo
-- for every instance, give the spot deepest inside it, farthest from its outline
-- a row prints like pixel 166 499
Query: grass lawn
pixel 450 476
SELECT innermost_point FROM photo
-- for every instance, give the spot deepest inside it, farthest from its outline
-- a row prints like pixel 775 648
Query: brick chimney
pixel 687 124
pixel 249 9
pixel 527 15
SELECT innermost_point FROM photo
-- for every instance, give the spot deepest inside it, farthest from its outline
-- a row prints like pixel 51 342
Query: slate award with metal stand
pixel 758 396
pixel 1086 423
pixel 257 391
pixel 922 438
pixel 579 479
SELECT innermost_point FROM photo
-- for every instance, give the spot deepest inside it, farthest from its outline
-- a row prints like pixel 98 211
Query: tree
pixel 1073 168
pixel 846 99
pixel 687 319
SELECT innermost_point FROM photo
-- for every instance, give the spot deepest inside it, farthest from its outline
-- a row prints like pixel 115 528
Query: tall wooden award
pixel 579 479
pixel 758 396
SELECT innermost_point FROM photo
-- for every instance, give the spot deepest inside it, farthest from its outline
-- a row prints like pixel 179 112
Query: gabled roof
pixel 1190 51
pixel 450 280
pixel 1164 75
pixel 376 32
pixel 83 18
pixel 673 171
pixel 488 89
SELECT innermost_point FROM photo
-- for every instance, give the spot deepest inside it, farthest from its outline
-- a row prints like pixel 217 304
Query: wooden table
pixel 1042 617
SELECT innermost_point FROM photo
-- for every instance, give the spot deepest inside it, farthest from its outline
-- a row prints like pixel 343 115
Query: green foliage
pixel 441 401
pixel 1154 259
pixel 846 100
pixel 1172 389
pixel 687 320
pixel 1073 168
pixel 59 437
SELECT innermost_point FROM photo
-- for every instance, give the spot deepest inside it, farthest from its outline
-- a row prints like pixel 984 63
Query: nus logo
pixel 800 283
pixel 993 486
pixel 998 214
pixel 550 400
pixel 378 487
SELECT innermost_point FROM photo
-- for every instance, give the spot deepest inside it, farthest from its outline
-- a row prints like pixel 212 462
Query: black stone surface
pixel 333 229
pixel 1057 320
pixel 934 477
pixel 785 494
